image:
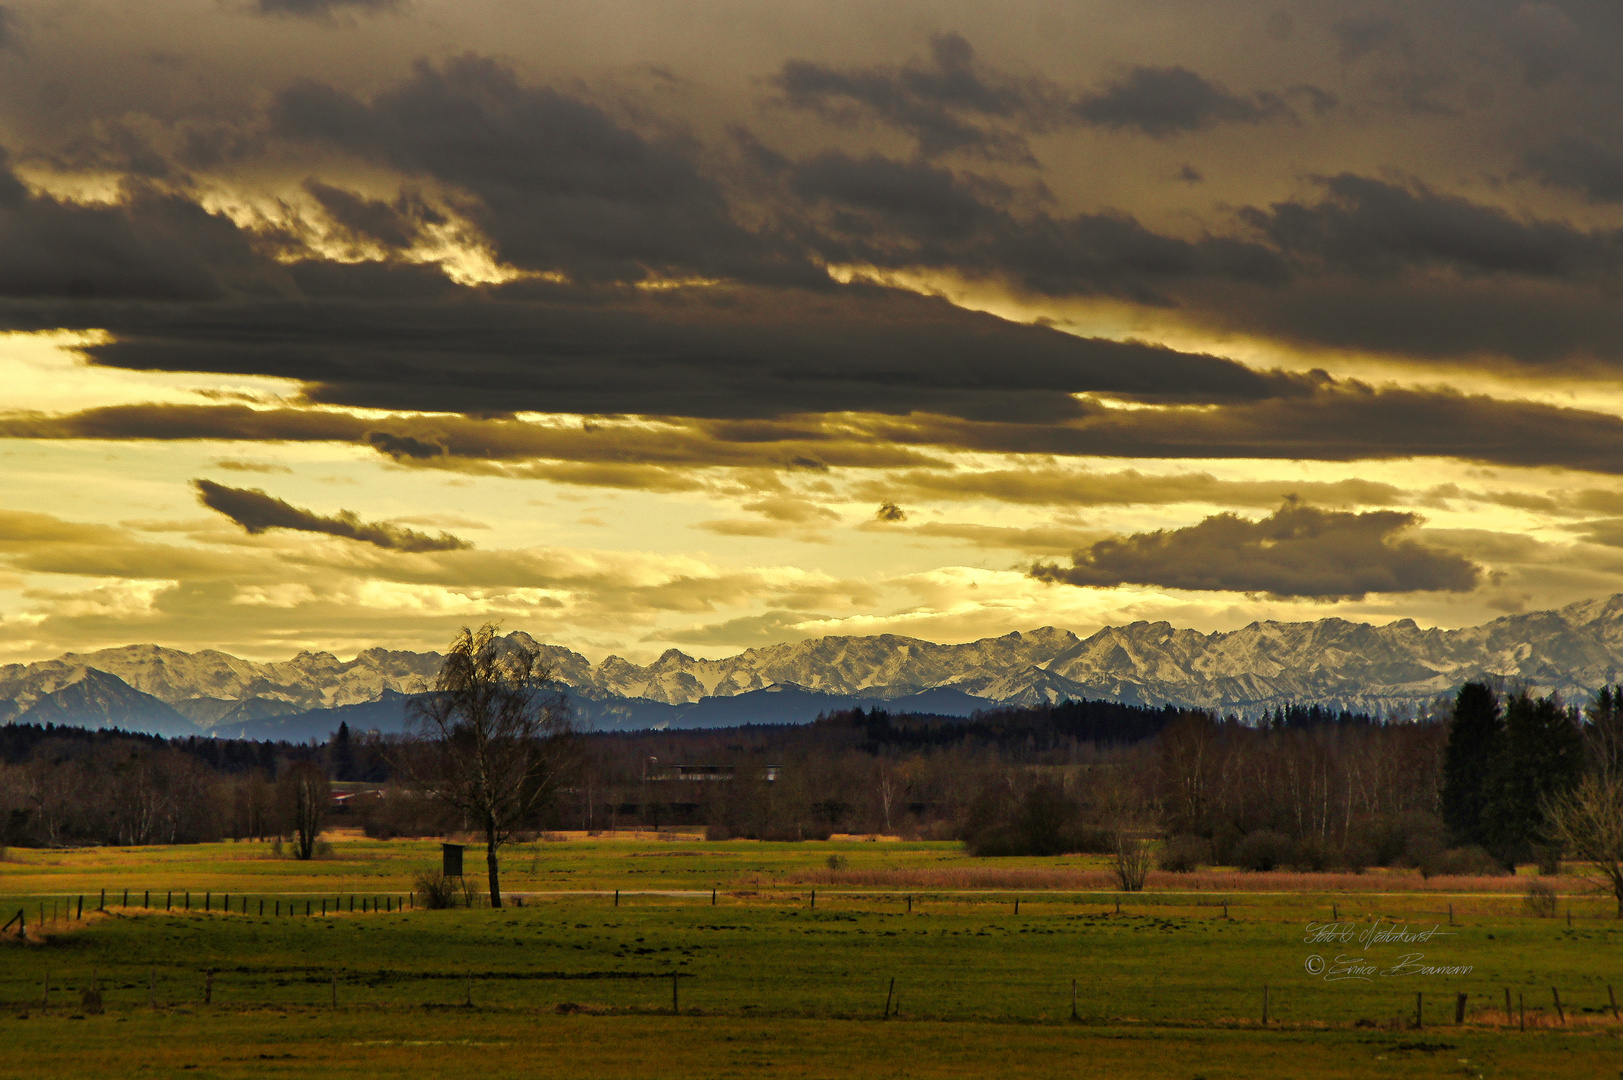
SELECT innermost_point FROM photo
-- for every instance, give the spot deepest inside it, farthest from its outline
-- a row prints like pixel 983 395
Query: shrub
pixel 438 891
pixel 1044 820
pixel 836 862
pixel 1540 900
pixel 1132 863
pixel 1470 861
pixel 1263 850
pixel 276 848
pixel 1183 854
pixel 322 850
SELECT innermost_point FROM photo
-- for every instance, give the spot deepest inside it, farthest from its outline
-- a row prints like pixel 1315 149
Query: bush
pixel 836 862
pixel 276 848
pixel 438 891
pixel 1132 863
pixel 1471 861
pixel 1044 820
pixel 1263 850
pixel 323 850
pixel 1540 900
pixel 1183 854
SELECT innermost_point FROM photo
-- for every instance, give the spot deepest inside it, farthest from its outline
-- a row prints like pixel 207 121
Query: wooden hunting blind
pixel 451 860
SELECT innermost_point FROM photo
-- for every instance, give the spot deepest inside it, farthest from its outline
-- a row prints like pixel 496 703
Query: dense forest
pixel 1458 791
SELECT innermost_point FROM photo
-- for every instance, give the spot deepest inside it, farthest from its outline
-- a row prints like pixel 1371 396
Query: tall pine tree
pixel 1469 761
pixel 1541 755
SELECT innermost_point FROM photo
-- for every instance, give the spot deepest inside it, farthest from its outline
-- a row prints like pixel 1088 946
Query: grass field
pixel 571 984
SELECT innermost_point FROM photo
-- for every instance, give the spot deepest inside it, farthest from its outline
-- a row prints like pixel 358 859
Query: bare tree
pixel 1588 822
pixel 304 791
pixel 492 739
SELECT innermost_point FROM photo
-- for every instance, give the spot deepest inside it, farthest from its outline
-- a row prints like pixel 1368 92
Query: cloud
pixel 748 631
pixel 256 512
pixel 1165 101
pixel 721 353
pixel 875 211
pixel 1591 168
pixel 558 185
pixel 1363 35
pixel 948 103
pixel 1053 485
pixel 397 225
pixel 151 246
pixel 324 9
pixel 1377 228
pixel 1298 551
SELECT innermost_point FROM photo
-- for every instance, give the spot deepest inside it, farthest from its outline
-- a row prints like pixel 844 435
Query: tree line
pixel 1482 782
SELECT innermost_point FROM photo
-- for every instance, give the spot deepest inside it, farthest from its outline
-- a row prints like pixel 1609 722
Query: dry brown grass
pixel 1102 880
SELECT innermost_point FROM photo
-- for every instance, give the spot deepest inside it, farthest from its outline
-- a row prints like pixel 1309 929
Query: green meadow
pixel 863 980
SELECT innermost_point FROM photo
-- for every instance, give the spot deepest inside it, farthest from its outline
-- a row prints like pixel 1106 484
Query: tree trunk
pixel 490 863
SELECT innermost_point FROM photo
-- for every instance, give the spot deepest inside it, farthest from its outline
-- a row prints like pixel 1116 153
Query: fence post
pixel 125 904
pixel 208 987
pixel 1510 1017
pixel 81 914
pixel 616 897
pixel 889 994
pixel 676 1004
pixel 814 898
pixel 146 901
pixel 1559 1011
pixel 1613 999
pixel 1073 1001
pixel 1459 1009
pixel 208 902
pixel 1418 1017
pixel 1264 1004
pixel 1521 1008
pixel 712 898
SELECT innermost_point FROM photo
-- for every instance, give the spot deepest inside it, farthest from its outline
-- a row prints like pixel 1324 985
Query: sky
pixel 334 324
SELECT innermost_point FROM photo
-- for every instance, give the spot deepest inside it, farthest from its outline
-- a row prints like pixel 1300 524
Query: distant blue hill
pixel 772 705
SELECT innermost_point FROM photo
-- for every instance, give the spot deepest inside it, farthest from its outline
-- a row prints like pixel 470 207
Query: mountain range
pixel 1395 669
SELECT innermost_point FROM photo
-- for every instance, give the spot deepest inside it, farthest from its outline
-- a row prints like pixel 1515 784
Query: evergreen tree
pixel 342 753
pixel 1469 761
pixel 1541 756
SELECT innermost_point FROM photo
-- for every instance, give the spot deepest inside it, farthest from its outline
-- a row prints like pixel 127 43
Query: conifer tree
pixel 1469 760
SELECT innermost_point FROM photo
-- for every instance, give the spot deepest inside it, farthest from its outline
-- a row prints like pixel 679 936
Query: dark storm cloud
pixel 948 103
pixel 1298 551
pixel 712 353
pixel 396 225
pixel 256 512
pixel 1339 421
pixel 953 103
pixel 560 186
pixel 1363 35
pixel 878 211
pixel 322 9
pixel 151 246
pixel 1373 227
pixel 1582 165
pixel 1172 101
